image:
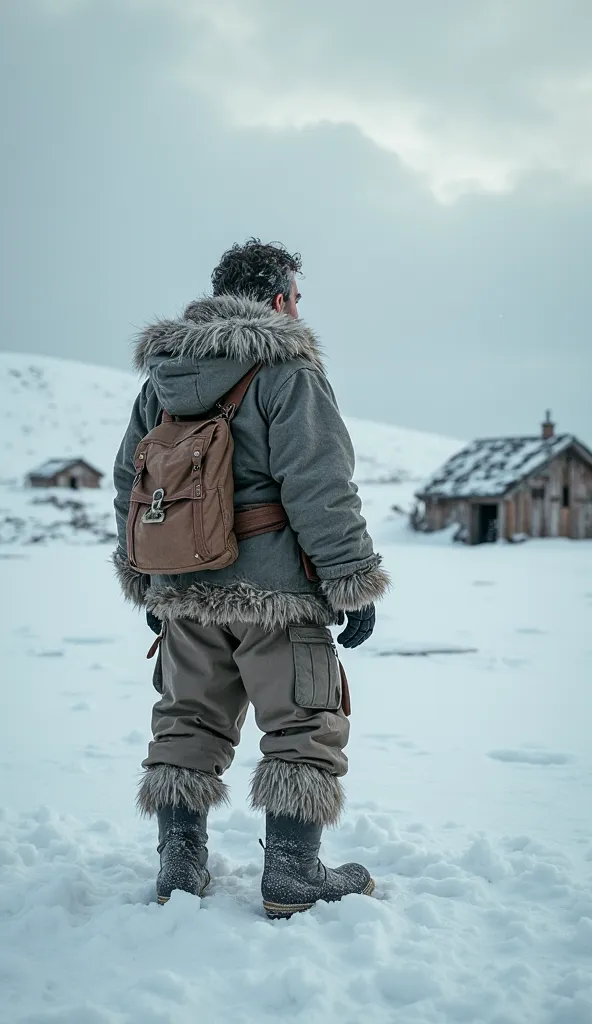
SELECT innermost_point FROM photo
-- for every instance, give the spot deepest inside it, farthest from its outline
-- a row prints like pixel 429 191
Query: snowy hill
pixel 52 408
pixel 55 407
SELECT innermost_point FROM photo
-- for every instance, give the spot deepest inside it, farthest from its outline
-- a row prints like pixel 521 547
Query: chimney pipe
pixel 548 427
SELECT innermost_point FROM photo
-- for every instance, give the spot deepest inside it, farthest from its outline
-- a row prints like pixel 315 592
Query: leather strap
pixel 231 401
pixel 309 569
pixel 252 522
pixel 154 647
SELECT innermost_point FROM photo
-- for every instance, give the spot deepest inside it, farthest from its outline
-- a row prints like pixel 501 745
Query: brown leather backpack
pixel 181 514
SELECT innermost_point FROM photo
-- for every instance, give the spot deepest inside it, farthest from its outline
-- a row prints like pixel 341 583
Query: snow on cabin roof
pixel 490 466
pixel 54 466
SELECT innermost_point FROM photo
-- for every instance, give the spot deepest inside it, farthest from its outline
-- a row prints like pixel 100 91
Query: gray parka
pixel 291 446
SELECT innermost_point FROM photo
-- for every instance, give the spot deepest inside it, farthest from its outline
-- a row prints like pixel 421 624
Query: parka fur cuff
pixel 134 584
pixel 360 588
pixel 166 785
pixel 297 790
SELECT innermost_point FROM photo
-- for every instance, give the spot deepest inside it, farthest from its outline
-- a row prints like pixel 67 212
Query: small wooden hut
pixel 73 473
pixel 508 487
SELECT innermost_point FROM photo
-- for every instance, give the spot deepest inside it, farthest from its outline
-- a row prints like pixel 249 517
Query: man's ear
pixel 279 303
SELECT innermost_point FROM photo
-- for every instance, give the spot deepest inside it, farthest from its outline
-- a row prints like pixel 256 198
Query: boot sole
pixel 279 911
pixel 161 900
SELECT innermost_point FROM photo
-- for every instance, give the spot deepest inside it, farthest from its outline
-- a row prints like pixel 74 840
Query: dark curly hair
pixel 257 269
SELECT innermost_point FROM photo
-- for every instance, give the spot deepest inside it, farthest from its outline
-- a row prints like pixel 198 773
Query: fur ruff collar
pixel 229 327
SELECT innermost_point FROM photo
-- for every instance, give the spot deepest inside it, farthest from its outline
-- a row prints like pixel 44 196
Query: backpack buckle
pixel 156 513
pixel 226 412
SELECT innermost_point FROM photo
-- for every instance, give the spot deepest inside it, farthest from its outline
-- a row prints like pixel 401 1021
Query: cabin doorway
pixel 487 524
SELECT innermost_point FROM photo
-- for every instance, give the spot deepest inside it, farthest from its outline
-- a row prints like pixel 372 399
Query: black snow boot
pixel 182 845
pixel 294 878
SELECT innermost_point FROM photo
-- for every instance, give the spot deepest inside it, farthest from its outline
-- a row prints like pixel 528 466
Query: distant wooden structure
pixel 511 487
pixel 73 473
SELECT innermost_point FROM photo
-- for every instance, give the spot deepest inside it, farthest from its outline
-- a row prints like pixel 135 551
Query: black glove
pixel 360 625
pixel 154 623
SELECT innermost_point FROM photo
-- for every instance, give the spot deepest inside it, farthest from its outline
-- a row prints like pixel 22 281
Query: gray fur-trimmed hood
pixel 232 327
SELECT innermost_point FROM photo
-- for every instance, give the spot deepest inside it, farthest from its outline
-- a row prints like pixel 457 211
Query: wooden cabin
pixel 512 487
pixel 72 473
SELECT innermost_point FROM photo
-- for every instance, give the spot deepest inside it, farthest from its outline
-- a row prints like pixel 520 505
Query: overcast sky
pixel 431 161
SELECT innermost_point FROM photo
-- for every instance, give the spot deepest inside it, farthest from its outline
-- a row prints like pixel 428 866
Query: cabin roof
pixel 52 467
pixel 488 467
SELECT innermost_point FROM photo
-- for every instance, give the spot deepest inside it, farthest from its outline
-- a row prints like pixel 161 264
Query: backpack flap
pixel 179 518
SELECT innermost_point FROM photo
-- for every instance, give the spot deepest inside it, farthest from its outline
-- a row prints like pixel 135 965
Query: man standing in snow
pixel 255 631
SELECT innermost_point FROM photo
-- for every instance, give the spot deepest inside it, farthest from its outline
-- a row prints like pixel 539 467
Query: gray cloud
pixel 471 96
pixel 140 139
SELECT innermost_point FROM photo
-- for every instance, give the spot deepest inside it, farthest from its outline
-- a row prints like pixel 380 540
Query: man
pixel 255 631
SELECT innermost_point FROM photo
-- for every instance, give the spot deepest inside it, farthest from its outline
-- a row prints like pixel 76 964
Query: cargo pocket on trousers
pixel 318 680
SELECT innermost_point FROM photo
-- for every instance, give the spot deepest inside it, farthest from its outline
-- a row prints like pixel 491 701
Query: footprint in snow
pixel 424 650
pixel 536 757
pixel 82 705
pixel 135 737
pixel 515 662
pixel 94 752
pixel 84 640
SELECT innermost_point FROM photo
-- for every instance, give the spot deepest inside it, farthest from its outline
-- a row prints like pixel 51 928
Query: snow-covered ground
pixel 470 797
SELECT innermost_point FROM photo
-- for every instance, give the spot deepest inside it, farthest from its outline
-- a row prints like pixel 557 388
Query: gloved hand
pixel 154 623
pixel 360 625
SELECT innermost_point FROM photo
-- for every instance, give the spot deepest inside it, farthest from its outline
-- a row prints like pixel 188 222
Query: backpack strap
pixel 229 404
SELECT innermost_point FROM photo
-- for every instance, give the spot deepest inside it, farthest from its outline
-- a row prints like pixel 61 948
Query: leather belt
pixel 251 522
